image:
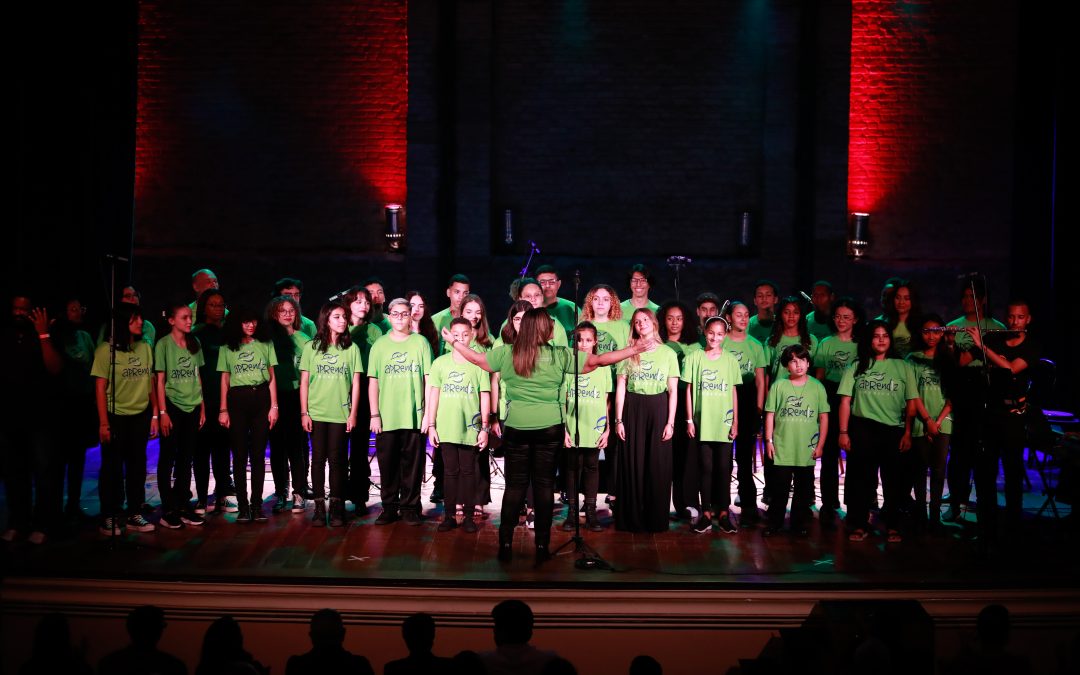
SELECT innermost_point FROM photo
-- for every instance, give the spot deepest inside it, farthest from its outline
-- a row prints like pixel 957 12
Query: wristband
pixel 163 412
pixel 768 440
pixel 843 432
pixel 304 414
pixel 273 407
pixel 618 421
pixel 153 417
pixel 43 336
pixel 485 428
pixel 373 416
pixel 223 412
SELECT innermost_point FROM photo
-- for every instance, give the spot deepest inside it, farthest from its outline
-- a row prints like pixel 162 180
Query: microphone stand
pixel 676 263
pixel 588 558
pixel 981 438
pixel 533 249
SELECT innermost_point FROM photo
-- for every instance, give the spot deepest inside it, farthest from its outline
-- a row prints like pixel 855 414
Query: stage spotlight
pixel 858 235
pixel 395 230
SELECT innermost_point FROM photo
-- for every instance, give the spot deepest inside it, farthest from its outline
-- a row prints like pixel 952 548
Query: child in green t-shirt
pixel 587 430
pixel 458 404
pixel 330 369
pixel 796 424
pixel 177 359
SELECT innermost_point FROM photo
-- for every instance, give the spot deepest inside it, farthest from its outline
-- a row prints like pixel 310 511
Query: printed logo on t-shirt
pixel 584 388
pixel 184 370
pixel 729 417
pixel 839 360
pixel 793 407
pixel 329 366
pixel 645 371
pixel 813 440
pixel 875 381
pixel 710 383
pixel 475 423
pixel 245 357
pixel 601 424
pixel 135 367
pixel 454 384
pixel 399 364
pixel 604 342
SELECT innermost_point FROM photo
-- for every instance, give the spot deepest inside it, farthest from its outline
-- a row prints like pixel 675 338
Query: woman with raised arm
pixel 532 371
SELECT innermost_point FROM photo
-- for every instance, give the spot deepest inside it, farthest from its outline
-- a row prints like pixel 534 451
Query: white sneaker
pixel 109 526
pixel 137 523
pixel 298 502
pixel 231 504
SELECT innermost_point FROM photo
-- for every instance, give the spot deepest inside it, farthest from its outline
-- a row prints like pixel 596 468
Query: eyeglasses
pixel 549 282
pixel 638 282
pixel 399 315
pixel 287 312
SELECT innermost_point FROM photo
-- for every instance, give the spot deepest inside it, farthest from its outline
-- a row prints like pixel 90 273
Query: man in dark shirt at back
pixel 327 654
pixel 145 625
pixel 418 631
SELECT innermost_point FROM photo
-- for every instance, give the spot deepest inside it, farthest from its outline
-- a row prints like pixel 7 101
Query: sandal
pixel 858 535
pixel 894 537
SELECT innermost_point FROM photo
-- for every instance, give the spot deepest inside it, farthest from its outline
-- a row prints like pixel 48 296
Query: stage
pixel 665 591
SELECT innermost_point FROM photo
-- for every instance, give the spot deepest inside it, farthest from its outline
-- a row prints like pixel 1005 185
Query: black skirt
pixel 643 477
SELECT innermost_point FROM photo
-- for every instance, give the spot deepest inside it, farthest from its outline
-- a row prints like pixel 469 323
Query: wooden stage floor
pixel 287 549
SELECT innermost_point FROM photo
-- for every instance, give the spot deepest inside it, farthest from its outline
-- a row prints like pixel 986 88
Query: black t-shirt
pixel 1004 385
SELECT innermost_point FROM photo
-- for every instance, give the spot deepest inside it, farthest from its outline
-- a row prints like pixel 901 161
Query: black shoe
pixel 569 524
pixel 446 524
pixel 724 523
pixel 337 513
pixel 506 552
pixel 702 525
pixel 386 517
pixel 468 526
pixel 171 520
pixel 436 497
pixel 412 518
pixel 318 518
pixel 243 514
pixel 308 493
pixel 542 554
pixel 257 514
pixel 360 509
pixel 770 532
pixel 749 521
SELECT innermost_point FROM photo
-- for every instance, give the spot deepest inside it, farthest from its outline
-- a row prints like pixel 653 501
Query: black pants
pixel 530 461
pixel 582 473
pixel 714 460
pixel 685 479
pixel 969 421
pixel 459 466
pixel 249 427
pixel 746 446
pixel 1008 435
pixel 802 500
pixel 212 452
pixel 288 445
pixel 359 482
pixel 483 477
pixel 175 455
pixel 72 441
pixel 401 468
pixel 875 446
pixel 929 454
pixel 123 464
pixel 328 444
pixel 644 466
pixel 29 465
pixel 830 454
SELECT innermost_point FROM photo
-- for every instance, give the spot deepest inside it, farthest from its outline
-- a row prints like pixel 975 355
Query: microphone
pixel 339 295
pixel 577 278
pixel 508 227
pixel 534 247
pixel 806 297
pixel 967 275
pixel 678 260
pixel 119 258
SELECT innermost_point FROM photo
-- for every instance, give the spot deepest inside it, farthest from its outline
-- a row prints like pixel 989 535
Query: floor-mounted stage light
pixel 395 227
pixel 858 239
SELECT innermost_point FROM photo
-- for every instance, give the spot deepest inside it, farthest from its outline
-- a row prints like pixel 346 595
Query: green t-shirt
pixel 330 378
pixel 134 372
pixel 364 336
pixel 819 329
pixel 181 369
pixel 564 312
pixel 933 397
pixel 759 330
pixel 460 385
pixel 628 309
pixel 592 394
pixel 536 401
pixel 651 375
pixel 308 327
pixel 248 366
pixel 964 342
pixel 682 350
pixel 401 369
pixel 289 350
pixel 796 427
pixel 778 372
pixel 712 383
pixel 835 355
pixel 901 339
pixel 78 357
pixel 149 333
pixel 750 356
pixel 611 336
pixel 882 392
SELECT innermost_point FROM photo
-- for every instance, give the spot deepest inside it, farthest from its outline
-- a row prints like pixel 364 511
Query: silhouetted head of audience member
pixel 145 625
pixel 992 626
pixel 645 665
pixel 418 631
pixel 467 663
pixel 327 629
pixel 52 634
pixel 223 642
pixel 558 666
pixel 513 622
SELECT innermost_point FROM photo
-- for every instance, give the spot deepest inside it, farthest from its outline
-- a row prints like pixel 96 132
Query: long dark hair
pixel 200 304
pixel 856 309
pixel 509 334
pixel 234 328
pixel 426 327
pixel 891 315
pixel 945 357
pixel 321 341
pixel 688 336
pixel 191 343
pixel 123 315
pixel 350 297
pixel 536 329
pixel 864 346
pixel 284 346
pixel 778 322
